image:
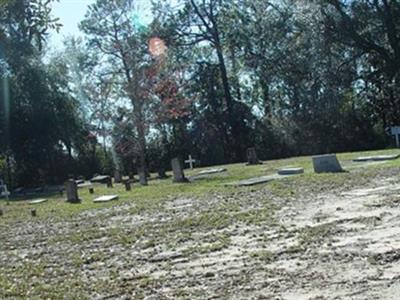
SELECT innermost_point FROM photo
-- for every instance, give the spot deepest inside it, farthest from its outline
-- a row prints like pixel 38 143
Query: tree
pixel 123 52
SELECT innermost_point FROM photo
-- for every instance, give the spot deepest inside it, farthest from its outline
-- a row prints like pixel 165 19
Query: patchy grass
pixel 151 197
pixel 151 236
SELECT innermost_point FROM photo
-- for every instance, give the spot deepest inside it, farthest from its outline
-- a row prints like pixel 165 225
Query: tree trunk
pixel 229 104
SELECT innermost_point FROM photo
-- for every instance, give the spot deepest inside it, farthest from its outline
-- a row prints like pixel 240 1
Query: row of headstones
pixel 71 186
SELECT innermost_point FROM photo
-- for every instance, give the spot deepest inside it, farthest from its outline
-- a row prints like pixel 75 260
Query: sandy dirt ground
pixel 333 244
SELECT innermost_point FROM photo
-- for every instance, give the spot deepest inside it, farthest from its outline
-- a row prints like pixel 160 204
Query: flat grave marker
pixel 213 171
pixel 106 198
pixel 37 201
pixel 376 158
pixel 290 171
pixel 100 179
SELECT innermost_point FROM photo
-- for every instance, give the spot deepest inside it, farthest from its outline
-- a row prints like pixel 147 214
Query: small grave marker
pixel 252 158
pixel 117 176
pixel 190 161
pixel 128 186
pixel 33 213
pixel 91 190
pixel 179 175
pixel 72 191
pixel 109 182
pixel 142 178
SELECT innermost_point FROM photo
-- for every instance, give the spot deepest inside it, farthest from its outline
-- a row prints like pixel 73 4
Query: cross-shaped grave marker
pixel 190 161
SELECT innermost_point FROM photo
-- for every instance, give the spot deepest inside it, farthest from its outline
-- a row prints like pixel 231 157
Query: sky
pixel 71 12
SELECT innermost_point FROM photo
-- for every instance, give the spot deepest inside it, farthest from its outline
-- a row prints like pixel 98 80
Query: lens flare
pixel 157 47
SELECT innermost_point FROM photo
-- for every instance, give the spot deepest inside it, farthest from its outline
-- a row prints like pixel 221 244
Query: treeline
pixel 208 78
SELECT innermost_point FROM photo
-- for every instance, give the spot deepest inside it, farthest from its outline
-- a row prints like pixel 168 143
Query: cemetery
pixel 280 219
pixel 200 149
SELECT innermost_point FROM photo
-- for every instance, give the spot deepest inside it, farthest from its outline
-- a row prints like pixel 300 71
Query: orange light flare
pixel 157 47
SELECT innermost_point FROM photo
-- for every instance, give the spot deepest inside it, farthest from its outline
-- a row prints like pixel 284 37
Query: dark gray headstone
pixel 252 158
pixel 179 175
pixel 117 176
pixel 109 182
pixel 128 186
pixel 327 163
pixel 72 191
pixel 161 173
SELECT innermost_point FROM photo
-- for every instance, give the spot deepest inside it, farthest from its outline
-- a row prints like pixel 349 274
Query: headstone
pixel 109 182
pixel 252 158
pixel 1 212
pixel 37 201
pixel 327 163
pixel 33 213
pixel 142 177
pixel 72 191
pixel 177 169
pixel 107 198
pixel 91 190
pixel 190 161
pixel 117 176
pixel 128 186
pixel 395 130
pixel 290 171
pixel 161 173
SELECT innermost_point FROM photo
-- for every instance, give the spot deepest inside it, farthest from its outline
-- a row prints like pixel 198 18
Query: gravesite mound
pixel 301 234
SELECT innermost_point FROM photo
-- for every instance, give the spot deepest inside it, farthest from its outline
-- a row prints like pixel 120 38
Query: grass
pixel 158 191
